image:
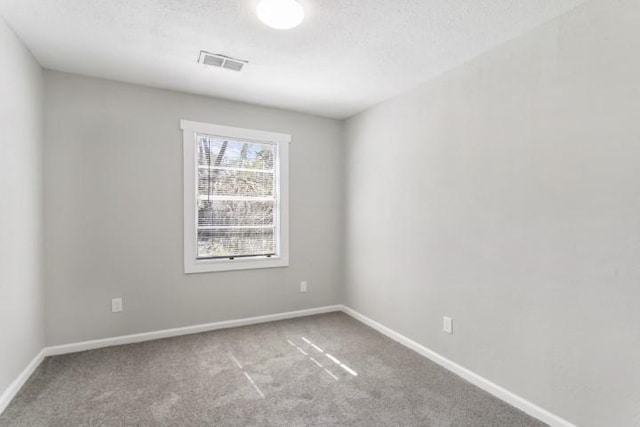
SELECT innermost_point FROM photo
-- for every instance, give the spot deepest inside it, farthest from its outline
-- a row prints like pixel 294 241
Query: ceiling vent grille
pixel 221 61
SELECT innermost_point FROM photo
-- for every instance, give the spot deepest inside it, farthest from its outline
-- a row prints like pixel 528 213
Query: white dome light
pixel 280 14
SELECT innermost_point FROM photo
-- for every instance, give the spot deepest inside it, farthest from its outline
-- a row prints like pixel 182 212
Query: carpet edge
pixel 10 392
pixel 490 387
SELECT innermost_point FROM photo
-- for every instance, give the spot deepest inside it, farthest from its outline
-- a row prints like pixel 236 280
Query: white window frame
pixel 190 130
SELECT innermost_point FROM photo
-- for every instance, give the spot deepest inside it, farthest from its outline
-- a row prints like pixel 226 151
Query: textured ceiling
pixel 346 56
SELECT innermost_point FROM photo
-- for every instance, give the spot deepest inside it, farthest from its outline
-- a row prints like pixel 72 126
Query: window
pixel 235 198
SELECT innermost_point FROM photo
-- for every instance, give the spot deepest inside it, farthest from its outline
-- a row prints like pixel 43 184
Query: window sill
pixel 211 265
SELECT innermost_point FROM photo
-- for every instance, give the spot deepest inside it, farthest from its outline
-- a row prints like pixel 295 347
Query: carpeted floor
pixel 326 370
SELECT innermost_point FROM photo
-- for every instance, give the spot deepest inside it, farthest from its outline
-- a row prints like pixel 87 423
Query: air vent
pixel 221 61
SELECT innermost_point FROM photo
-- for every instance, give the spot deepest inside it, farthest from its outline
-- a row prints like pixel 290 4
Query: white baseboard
pixel 9 393
pixel 475 379
pixel 481 382
pixel 187 330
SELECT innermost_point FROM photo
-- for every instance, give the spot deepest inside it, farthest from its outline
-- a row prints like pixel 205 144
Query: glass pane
pixel 231 175
pixel 234 213
pixel 237 183
pixel 214 151
pixel 236 242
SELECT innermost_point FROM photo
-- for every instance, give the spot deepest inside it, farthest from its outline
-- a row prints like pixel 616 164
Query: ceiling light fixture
pixel 280 14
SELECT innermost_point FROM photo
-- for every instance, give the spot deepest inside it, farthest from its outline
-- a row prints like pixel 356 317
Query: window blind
pixel 236 198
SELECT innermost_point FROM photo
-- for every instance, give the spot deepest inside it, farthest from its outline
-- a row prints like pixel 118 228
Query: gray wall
pixel 506 194
pixel 21 292
pixel 113 205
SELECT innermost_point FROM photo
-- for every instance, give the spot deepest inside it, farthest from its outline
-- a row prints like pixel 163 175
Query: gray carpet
pixel 326 370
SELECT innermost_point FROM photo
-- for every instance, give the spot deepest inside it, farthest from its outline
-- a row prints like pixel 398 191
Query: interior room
pixel 320 213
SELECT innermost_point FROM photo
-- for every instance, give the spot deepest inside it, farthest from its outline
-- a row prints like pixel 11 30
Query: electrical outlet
pixel 447 325
pixel 303 286
pixel 116 305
